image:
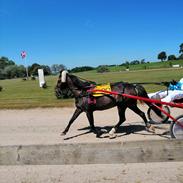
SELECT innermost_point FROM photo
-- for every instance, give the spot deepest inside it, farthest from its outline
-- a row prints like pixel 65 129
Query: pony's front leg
pixel 74 116
pixel 89 115
pixel 121 112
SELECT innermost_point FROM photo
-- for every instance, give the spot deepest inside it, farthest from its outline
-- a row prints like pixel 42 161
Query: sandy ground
pixel 43 126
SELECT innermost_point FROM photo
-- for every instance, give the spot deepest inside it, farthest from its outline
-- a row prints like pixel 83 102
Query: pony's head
pixel 61 89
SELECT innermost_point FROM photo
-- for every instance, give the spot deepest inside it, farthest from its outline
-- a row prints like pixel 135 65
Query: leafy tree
pixel 162 56
pixel 181 57
pixel 11 71
pixel 21 71
pixel 181 48
pixel 102 69
pixel 172 57
pixel 4 61
pixel 46 69
pixel 135 62
pixel 11 62
pixel 56 68
pixel 8 69
pixel 33 69
pixel 2 74
pixel 142 61
pixel 81 69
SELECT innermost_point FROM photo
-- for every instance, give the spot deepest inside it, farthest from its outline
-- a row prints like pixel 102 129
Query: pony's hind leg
pixel 74 116
pixel 134 108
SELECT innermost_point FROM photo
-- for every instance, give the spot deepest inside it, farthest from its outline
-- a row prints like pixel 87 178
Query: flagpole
pixel 26 68
pixel 23 55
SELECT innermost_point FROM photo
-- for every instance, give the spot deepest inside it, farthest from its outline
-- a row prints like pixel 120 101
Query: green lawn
pixel 151 65
pixel 17 93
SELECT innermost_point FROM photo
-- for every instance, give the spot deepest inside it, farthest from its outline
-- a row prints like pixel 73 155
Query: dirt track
pixel 43 126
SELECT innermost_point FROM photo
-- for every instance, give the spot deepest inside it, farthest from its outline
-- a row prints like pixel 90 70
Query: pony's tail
pixel 141 92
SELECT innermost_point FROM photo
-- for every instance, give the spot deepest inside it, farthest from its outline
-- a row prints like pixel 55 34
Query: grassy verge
pixel 19 94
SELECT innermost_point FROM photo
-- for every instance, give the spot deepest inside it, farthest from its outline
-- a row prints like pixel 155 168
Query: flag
pixel 23 54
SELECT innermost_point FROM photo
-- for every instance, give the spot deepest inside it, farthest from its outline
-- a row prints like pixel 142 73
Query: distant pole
pixel 23 55
pixel 26 67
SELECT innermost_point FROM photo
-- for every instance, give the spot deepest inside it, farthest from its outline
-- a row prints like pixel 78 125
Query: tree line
pixel 8 68
pixel 163 56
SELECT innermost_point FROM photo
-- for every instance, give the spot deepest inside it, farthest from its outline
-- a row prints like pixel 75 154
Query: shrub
pixel 102 69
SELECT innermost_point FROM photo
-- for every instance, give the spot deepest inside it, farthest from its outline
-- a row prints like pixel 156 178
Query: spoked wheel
pixel 154 118
pixel 176 128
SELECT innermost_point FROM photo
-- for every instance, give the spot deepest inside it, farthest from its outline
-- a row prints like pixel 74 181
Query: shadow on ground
pixel 122 131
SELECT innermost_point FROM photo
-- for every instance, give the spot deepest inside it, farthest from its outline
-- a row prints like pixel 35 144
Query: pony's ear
pixel 64 74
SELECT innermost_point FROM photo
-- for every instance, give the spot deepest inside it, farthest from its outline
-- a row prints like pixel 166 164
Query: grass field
pixel 150 65
pixel 21 94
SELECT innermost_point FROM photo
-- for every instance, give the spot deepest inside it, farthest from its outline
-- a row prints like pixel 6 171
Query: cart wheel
pixel 176 130
pixel 154 118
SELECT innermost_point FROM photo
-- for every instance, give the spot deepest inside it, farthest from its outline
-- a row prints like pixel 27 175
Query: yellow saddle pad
pixel 106 87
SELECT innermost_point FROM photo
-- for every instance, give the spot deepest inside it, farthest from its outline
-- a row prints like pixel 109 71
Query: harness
pixel 102 89
pixel 92 96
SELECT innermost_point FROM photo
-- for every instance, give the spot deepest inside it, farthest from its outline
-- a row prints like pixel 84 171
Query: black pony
pixel 85 102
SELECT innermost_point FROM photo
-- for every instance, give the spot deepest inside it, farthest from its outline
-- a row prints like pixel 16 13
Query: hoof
pixel 98 134
pixel 112 136
pixel 150 129
pixel 63 133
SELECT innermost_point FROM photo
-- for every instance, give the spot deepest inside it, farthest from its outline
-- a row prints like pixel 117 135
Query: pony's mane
pixel 79 83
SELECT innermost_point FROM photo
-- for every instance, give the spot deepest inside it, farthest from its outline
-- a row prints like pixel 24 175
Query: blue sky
pixel 89 32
